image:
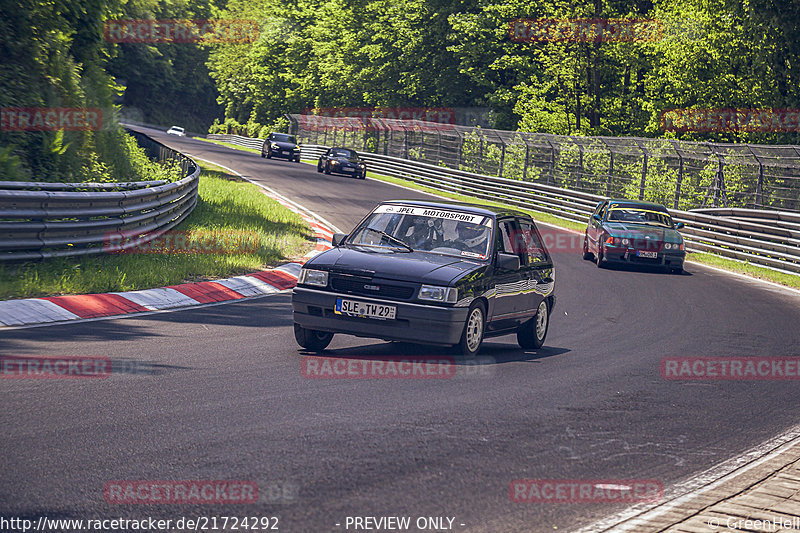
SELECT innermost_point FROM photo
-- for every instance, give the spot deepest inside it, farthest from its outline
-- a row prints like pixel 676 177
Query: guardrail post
pixel 525 163
pixel 642 182
pixel 551 178
pixel 502 158
pixel 580 167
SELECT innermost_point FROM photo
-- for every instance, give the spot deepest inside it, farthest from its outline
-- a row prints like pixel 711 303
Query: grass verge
pixel 230 213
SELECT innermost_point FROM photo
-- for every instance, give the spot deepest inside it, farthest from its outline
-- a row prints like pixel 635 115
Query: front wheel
pixel 312 340
pixel 262 153
pixel 269 154
pixel 531 334
pixel 599 257
pixel 327 168
pixel 363 174
pixel 472 337
pixel 319 166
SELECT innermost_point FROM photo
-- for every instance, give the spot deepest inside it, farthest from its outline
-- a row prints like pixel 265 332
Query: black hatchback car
pixel 342 161
pixel 431 273
pixel 281 145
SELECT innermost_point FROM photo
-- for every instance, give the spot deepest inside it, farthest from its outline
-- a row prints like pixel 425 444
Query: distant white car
pixel 175 130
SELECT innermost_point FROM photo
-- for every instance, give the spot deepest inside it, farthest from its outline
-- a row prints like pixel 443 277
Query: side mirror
pixel 338 238
pixel 507 261
pixel 679 225
pixel 597 218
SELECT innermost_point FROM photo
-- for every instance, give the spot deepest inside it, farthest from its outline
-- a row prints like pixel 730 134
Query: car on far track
pixel 342 161
pixel 633 232
pixel 440 273
pixel 176 130
pixel 281 145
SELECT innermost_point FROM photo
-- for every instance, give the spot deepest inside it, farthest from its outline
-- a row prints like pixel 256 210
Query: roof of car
pixel 461 206
pixel 640 203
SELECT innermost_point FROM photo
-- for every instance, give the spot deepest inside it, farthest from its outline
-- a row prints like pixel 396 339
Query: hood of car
pixel 283 145
pixel 416 267
pixel 641 231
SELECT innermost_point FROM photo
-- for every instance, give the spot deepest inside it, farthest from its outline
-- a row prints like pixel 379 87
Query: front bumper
pixel 342 170
pixel 615 254
pixel 426 324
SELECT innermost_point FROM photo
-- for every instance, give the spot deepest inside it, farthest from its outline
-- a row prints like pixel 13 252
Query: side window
pixel 603 210
pixel 505 234
pixel 600 208
pixel 531 249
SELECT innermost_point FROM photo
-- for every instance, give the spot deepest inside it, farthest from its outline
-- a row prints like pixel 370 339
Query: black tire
pixel 297 159
pixel 319 166
pixel 586 253
pixel 599 257
pixel 676 270
pixel 532 333
pixel 262 153
pixel 311 340
pixel 363 175
pixel 269 154
pixel 327 168
pixel 472 336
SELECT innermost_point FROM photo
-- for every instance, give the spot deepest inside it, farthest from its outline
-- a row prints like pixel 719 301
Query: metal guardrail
pixel 744 234
pixel 46 220
pixel 247 142
pixel 679 174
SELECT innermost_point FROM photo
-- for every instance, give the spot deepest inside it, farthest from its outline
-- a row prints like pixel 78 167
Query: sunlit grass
pixel 229 211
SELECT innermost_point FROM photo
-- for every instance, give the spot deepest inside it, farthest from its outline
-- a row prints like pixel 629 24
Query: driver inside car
pixel 425 233
pixel 472 237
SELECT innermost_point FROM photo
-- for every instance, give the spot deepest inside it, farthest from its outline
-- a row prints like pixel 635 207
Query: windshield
pixel 342 152
pixel 426 230
pixel 283 138
pixel 635 215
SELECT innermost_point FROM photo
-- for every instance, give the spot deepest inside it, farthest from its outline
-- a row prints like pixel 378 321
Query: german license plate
pixel 644 253
pixel 365 309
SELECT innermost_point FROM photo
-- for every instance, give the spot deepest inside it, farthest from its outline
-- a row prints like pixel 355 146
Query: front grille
pixel 356 285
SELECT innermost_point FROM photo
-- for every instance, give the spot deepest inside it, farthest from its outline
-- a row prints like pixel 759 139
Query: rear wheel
pixel 472 336
pixel 312 340
pixel 599 256
pixel 532 333
pixel 586 253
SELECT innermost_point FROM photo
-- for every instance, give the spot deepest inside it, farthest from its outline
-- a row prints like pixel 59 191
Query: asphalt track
pixel 217 393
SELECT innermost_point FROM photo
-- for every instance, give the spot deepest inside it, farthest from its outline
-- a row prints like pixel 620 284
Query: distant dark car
pixel 630 231
pixel 281 145
pixel 343 161
pixel 432 273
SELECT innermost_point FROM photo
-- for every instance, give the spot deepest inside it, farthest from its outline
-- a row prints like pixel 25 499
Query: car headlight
pixel 318 278
pixel 438 294
pixel 334 162
pixel 673 246
pixel 626 241
pixel 296 148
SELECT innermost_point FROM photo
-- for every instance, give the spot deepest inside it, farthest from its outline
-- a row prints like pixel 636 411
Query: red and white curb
pixel 33 311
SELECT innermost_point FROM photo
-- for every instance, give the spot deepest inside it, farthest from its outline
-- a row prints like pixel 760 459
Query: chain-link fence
pixel 679 174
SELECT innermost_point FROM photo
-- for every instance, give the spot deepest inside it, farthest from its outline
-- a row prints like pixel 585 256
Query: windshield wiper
pixel 392 238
